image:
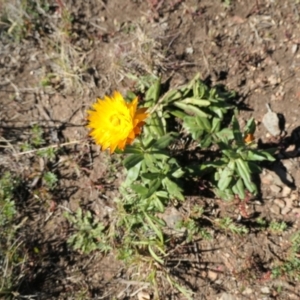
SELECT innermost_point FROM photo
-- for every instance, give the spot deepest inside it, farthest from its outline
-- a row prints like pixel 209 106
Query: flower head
pixel 249 138
pixel 114 122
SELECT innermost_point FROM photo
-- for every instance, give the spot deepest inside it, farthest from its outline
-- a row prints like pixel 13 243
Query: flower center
pixel 115 120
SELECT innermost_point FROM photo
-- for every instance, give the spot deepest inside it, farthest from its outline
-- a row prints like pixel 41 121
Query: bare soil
pixel 251 47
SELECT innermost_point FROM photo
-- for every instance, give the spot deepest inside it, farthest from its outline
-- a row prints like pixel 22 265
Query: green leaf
pixel 190 109
pixel 244 172
pixel 156 125
pixel 132 149
pixel 154 227
pixel 237 132
pixel 172 96
pixel 153 187
pixel 254 168
pixel 157 203
pixel 250 127
pixel 196 101
pixel 226 176
pixel 178 173
pixel 216 124
pixel 173 189
pixel 132 160
pixel 163 142
pixel 231 154
pixel 205 141
pixel 243 169
pixel 153 254
pixel 162 194
pixel 139 189
pixel 258 155
pixel 225 135
pixel 133 174
pixel 178 113
pixel 239 189
pixel 153 93
pixel 149 160
pixel 151 176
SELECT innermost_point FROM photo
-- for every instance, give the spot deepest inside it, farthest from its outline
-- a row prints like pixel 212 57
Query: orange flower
pixel 114 122
pixel 249 138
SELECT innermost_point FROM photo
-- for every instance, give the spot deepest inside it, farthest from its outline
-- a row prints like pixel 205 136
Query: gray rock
pixel 271 122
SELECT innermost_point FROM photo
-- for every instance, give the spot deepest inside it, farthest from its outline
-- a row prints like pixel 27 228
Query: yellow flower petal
pixel 114 123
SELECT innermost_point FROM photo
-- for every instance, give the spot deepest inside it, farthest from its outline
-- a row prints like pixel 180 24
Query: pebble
pixel 212 275
pixel 247 291
pixel 286 210
pixel 265 290
pixel 143 295
pixel 267 179
pixel 275 209
pixel 271 122
pixel 286 191
pixel 275 188
pixel 279 203
pixel 226 296
pixel 288 205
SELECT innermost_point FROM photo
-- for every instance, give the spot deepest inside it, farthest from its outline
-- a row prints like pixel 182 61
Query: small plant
pixel 228 225
pixel 50 180
pixel 193 118
pixel 10 254
pixel 89 234
pixel 278 227
pixel 291 266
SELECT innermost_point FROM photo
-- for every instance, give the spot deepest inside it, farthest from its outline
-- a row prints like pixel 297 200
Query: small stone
pixel 247 291
pixel 267 179
pixel 286 191
pixel 294 48
pixel 286 210
pixel 271 122
pixel 288 205
pixel 265 290
pixel 143 295
pixel 212 275
pixel 280 203
pixel 226 296
pixel 275 209
pixel 275 188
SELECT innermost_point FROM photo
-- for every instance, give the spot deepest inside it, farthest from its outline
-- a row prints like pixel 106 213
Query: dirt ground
pixel 52 70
